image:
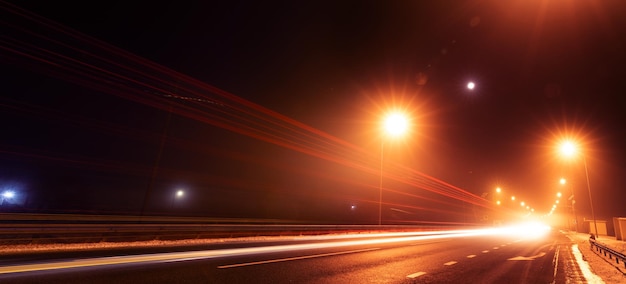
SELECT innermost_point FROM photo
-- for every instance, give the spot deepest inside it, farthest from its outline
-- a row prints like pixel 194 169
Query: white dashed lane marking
pixel 485 251
pixel 471 256
pixel 450 263
pixel 416 274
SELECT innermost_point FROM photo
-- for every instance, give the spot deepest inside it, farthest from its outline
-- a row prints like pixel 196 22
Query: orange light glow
pixel 396 124
pixel 568 148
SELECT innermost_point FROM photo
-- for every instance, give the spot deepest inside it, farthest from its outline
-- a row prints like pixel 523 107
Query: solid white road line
pixel 293 258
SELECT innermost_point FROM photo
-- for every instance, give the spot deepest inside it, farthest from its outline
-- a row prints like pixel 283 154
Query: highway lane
pixel 456 258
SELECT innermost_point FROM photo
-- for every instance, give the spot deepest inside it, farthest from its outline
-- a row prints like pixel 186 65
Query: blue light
pixel 8 194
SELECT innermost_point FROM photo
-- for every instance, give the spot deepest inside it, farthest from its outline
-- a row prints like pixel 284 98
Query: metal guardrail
pixel 606 251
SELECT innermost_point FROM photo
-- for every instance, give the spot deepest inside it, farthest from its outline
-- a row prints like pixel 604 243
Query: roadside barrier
pixel 59 228
pixel 606 251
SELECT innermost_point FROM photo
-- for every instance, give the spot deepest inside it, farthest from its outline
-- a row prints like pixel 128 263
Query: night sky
pixel 272 109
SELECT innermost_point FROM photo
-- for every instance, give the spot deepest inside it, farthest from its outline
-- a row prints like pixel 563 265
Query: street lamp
pixel 394 124
pixel 471 85
pixel 179 194
pixel 6 196
pixel 569 149
pixel 563 181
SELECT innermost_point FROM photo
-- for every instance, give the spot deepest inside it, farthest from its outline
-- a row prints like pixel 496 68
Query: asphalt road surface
pixel 453 257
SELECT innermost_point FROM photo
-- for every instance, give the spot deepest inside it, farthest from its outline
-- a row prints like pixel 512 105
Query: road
pixel 451 257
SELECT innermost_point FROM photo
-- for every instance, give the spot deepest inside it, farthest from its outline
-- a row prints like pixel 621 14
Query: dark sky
pixel 544 70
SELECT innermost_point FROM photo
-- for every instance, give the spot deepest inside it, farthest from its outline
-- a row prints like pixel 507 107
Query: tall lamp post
pixel 569 149
pixel 394 124
pixel 573 201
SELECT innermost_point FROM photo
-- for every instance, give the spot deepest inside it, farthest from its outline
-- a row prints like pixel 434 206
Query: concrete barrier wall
pixel 618 231
pixel 620 228
pixel 601 225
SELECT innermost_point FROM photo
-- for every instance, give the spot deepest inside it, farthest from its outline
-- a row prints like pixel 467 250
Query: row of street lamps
pixel 396 124
pixel 569 149
pixel 513 198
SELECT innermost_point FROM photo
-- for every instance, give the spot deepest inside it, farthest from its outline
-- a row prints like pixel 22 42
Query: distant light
pixel 558 194
pixel 8 194
pixel 180 193
pixel 513 198
pixel 353 207
pixel 498 202
pixel 527 230
pixel 471 85
pixel 498 190
pixel 563 181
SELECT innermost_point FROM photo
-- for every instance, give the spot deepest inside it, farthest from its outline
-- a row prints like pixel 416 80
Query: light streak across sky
pixel 64 53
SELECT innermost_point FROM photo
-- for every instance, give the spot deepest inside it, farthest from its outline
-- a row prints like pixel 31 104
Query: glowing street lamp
pixel 178 195
pixel 471 85
pixel 7 195
pixel 569 149
pixel 395 124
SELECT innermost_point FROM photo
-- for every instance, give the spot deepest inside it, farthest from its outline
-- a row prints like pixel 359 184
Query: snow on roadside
pixel 598 264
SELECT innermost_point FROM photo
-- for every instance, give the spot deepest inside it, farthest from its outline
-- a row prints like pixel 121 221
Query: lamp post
pixel 563 181
pixel 568 149
pixel 395 124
